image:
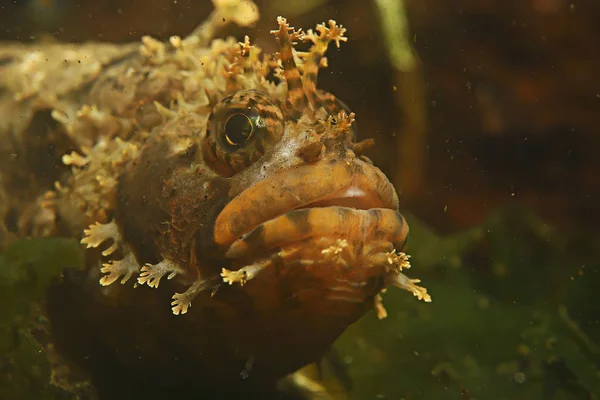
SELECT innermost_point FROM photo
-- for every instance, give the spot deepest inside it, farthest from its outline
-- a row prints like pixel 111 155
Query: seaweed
pixel 29 366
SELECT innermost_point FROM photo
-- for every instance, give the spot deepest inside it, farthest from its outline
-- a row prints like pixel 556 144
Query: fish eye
pixel 240 130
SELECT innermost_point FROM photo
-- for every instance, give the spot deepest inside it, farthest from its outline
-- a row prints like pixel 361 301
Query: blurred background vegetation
pixel 492 139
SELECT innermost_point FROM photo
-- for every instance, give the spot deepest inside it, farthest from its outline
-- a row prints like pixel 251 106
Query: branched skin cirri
pixel 244 225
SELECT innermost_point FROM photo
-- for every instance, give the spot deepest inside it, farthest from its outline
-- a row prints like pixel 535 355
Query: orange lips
pixel 351 185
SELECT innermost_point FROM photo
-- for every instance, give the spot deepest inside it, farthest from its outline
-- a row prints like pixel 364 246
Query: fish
pixel 233 227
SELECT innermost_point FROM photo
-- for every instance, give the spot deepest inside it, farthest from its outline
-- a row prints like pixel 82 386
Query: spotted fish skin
pixel 233 228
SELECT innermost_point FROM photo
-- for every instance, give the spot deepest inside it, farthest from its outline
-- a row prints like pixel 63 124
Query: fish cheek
pixel 167 208
pixel 138 204
pixel 209 207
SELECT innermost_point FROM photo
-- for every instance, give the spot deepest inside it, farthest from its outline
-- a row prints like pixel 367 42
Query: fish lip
pixel 381 227
pixel 353 183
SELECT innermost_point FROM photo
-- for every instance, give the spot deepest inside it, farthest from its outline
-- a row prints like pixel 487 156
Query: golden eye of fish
pixel 238 129
pixel 241 129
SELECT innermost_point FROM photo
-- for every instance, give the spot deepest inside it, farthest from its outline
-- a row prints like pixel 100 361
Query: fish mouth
pixel 341 199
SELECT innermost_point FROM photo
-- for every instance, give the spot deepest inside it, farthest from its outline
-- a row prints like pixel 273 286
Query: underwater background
pixel 485 115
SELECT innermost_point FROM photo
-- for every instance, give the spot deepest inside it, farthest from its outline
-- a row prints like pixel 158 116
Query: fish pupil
pixel 238 129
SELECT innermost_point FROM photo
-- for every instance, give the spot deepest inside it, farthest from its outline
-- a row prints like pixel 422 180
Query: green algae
pixel 27 364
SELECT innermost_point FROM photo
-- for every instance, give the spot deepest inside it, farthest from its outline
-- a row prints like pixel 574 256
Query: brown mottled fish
pixel 232 223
